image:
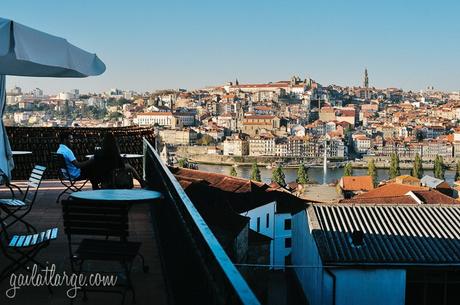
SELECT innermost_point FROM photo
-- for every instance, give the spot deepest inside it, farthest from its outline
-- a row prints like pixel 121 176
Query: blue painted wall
pixel 370 286
pixel 316 284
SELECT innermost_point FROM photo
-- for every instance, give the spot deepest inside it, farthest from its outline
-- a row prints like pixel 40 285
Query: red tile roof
pixel 357 183
pixel 259 117
pixel 223 182
pixel 156 113
pixel 434 197
pixel 241 194
pixel 385 200
pixel 390 190
pixel 395 193
pixel 276 85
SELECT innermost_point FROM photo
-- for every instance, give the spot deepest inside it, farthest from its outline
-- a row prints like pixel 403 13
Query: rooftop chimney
pixel 357 238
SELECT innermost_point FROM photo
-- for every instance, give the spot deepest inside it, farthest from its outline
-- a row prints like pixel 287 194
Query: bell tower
pixel 366 85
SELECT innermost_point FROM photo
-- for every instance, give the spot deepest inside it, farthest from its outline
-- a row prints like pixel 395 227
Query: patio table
pixel 21 152
pixel 130 196
pixel 126 156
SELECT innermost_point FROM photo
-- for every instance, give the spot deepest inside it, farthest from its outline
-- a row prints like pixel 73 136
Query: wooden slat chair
pixel 22 249
pixel 63 174
pixel 16 209
pixel 100 221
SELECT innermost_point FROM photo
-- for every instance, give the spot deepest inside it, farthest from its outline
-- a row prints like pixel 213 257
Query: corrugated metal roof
pixel 403 234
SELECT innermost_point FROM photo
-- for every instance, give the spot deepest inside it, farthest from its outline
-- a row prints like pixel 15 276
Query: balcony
pixel 187 263
pixel 46 213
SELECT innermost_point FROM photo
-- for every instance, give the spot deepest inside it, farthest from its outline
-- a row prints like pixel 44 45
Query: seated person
pixel 108 158
pixel 77 170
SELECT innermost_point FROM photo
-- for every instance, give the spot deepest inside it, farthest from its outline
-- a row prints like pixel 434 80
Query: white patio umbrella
pixel 28 52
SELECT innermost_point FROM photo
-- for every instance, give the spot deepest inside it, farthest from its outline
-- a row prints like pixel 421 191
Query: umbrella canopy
pixel 28 52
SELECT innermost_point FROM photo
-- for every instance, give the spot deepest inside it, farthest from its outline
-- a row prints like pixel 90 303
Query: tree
pixel 233 172
pixel 348 130
pixel 278 176
pixel 419 135
pixel 115 115
pixel 372 171
pixel 457 171
pixel 417 169
pixel 302 174
pixel 395 170
pixel 205 140
pixel 348 171
pixel 182 162
pixel 255 172
pixel 439 168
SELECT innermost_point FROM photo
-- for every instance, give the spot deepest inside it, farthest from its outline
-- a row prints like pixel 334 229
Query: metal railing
pixel 195 266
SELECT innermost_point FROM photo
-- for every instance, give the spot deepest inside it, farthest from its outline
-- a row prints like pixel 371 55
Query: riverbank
pixel 199 155
pixel 315 174
pixel 287 163
pixel 386 165
pixel 248 164
pixel 249 160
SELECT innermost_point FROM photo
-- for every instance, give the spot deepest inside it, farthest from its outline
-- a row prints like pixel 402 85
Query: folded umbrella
pixel 28 52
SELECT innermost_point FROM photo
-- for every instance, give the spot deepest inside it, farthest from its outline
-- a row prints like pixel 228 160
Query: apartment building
pixel 262 146
pixel 254 124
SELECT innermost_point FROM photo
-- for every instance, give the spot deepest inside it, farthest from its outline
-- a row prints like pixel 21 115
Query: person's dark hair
pixel 63 136
pixel 110 150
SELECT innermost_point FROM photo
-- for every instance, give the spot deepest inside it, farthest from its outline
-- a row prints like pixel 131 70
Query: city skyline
pixel 178 44
pixel 29 90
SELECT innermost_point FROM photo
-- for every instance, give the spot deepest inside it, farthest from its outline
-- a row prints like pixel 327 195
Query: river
pixel 314 173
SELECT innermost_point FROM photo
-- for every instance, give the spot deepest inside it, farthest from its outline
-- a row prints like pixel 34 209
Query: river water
pixel 314 173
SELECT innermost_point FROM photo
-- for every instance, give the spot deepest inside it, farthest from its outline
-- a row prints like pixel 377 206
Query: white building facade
pixel 267 221
pixel 156 118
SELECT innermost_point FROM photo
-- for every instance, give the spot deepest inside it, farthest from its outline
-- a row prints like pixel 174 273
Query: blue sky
pixel 150 45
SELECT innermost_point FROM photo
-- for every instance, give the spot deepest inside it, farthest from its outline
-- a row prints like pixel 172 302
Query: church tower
pixel 239 118
pixel 366 85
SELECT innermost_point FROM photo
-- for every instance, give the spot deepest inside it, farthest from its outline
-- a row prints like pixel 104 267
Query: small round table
pixel 131 156
pixel 131 196
pixel 20 152
pixel 126 156
pixel 128 196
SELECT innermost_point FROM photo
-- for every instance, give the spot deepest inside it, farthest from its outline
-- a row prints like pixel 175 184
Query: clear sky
pixel 150 44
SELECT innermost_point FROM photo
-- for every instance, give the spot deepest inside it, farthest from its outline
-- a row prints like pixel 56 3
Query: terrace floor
pixel 46 213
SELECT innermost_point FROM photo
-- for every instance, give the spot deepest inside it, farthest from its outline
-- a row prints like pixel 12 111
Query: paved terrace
pixel 150 287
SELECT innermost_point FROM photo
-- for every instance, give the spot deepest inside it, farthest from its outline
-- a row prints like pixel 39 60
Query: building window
pixel 258 224
pixel 287 242
pixel 267 220
pixel 287 224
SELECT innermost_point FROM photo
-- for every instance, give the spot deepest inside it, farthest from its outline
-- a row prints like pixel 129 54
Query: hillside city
pixel 293 120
